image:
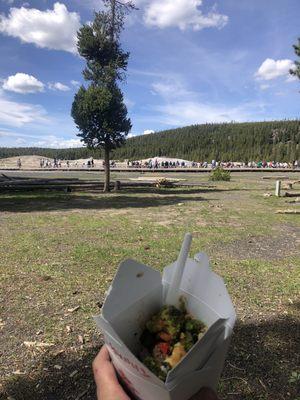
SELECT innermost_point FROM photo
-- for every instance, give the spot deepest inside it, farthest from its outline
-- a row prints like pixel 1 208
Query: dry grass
pixel 60 251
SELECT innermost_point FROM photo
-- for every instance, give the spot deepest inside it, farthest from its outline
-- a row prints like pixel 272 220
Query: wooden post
pixel 107 170
pixel 278 188
pixel 117 186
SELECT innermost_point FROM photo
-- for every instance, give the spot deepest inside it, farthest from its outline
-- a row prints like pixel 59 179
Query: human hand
pixel 108 386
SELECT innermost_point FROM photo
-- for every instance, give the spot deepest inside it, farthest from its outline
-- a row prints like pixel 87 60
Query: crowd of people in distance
pixel 157 163
pixel 154 164
pixel 57 163
pixel 45 163
pixel 163 164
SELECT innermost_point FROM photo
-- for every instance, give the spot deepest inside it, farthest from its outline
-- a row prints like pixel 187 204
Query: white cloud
pixel 171 87
pixel 75 83
pixel 20 141
pixel 182 113
pixel 148 132
pixel 53 29
pixel 11 137
pixel 280 93
pixel 23 83
pixel 94 5
pixel 291 78
pixel 58 142
pixel 264 86
pixel 182 107
pixel 272 69
pixel 19 114
pixel 129 103
pixel 58 86
pixel 182 14
pixel 4 132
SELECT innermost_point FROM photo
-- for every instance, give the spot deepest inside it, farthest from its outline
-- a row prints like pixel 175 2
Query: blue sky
pixel 192 61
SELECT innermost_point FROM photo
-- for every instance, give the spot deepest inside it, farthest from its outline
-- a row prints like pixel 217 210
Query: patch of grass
pixel 59 251
pixel 220 174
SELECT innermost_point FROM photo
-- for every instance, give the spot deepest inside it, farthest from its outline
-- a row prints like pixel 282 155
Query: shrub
pixel 219 174
pixel 163 183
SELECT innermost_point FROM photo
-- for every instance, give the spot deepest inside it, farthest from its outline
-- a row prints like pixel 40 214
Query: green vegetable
pixel 153 365
pixel 187 341
pixel 168 328
pixel 169 320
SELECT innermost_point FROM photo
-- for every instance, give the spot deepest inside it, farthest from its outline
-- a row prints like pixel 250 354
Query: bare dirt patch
pixel 276 246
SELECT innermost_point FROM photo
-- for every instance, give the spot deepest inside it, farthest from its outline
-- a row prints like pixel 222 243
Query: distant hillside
pixel 63 154
pixel 275 140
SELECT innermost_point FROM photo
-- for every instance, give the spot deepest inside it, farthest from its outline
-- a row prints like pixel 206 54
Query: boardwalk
pixel 149 170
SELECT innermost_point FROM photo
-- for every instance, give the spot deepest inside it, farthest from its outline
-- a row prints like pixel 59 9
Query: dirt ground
pixel 28 162
pixel 59 253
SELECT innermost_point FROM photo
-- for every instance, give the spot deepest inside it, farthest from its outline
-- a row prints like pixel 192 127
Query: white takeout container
pixel 136 293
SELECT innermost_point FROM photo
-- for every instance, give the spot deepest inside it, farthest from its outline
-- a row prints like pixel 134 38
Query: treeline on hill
pixel 63 154
pixel 275 140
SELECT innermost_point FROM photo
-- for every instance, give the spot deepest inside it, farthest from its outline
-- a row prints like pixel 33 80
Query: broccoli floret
pixel 182 304
pixel 187 341
pixel 168 336
pixel 152 364
pixel 169 320
pixel 154 367
pixel 194 326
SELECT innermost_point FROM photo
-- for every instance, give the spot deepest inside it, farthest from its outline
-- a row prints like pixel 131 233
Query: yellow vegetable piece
pixel 177 354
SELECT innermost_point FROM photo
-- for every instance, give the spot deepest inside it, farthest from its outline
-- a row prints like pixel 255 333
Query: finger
pixel 103 369
pixel 103 355
pixel 107 383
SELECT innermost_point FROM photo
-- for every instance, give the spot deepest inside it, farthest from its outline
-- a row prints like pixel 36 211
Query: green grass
pixel 60 250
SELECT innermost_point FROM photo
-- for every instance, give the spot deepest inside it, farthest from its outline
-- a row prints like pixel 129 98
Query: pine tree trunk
pixel 107 171
pixel 113 17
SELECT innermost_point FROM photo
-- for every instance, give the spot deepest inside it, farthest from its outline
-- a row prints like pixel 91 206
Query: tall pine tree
pixel 99 110
pixel 296 71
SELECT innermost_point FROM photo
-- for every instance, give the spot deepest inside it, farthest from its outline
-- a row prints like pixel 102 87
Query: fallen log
pixel 287 194
pixel 7 177
pixel 68 185
pixel 287 212
pixel 30 188
pixel 275 177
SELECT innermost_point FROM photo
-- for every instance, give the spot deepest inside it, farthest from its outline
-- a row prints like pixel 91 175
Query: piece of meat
pixel 166 337
pixel 161 351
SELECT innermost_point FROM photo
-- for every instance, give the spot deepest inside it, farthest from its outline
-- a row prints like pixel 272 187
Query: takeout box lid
pixel 206 286
pixel 137 287
pixel 131 281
